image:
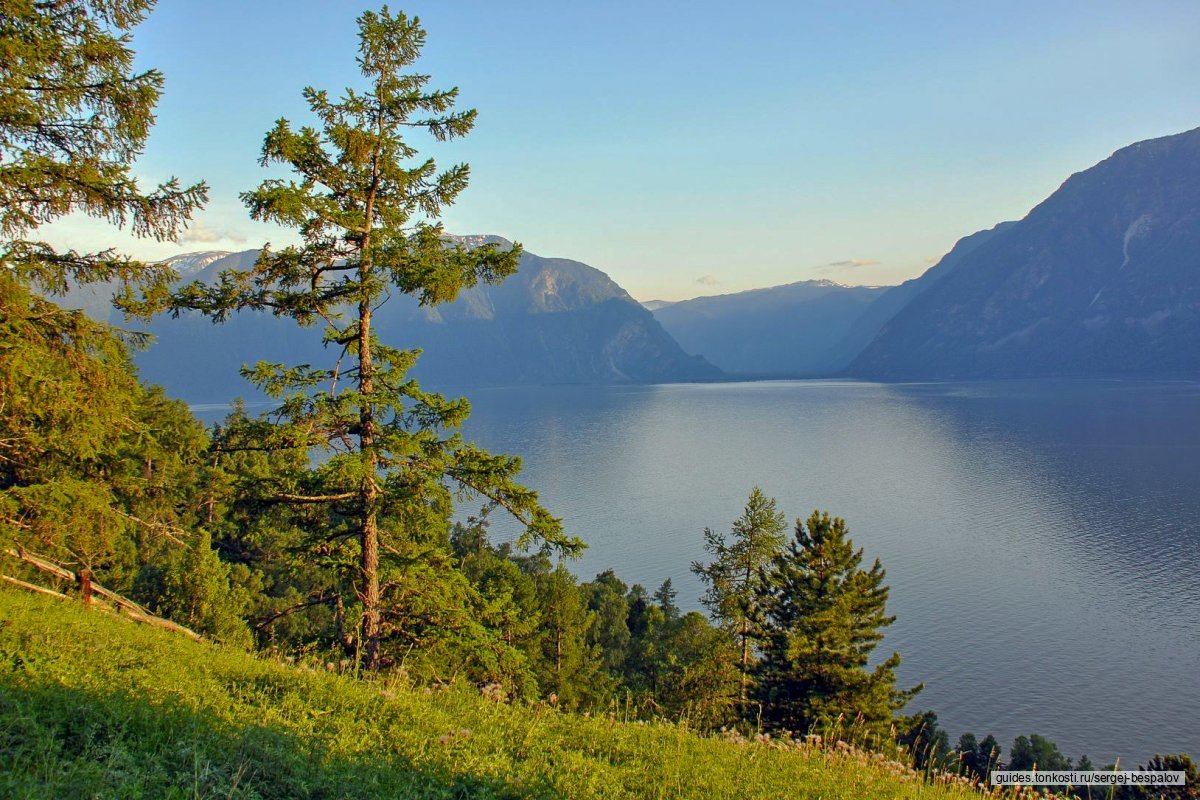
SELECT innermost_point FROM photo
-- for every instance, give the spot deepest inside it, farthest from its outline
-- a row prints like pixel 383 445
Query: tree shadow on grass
pixel 64 742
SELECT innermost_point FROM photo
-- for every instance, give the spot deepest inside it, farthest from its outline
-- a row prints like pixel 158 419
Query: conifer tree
pixel 665 595
pixel 820 616
pixel 606 599
pixel 96 470
pixel 83 446
pixel 366 208
pixel 978 758
pixel 569 668
pixel 758 535
pixel 74 114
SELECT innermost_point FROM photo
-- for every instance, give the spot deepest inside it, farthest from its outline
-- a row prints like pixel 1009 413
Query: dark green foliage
pixel 978 758
pixel 757 537
pixel 1168 763
pixel 927 743
pixel 366 209
pixel 820 616
pixel 99 472
pixel 695 677
pixel 569 669
pixel 649 631
pixel 92 464
pixel 74 115
pixel 606 599
pixel 1034 750
pixel 196 592
pixel 677 666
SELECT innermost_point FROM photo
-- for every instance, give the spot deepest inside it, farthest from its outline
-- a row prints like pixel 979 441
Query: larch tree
pixel 757 536
pixel 366 208
pixel 820 616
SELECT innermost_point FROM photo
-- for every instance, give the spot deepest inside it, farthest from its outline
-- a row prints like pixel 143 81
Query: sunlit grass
pixel 95 706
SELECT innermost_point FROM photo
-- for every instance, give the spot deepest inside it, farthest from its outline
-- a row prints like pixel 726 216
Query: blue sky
pixel 697 148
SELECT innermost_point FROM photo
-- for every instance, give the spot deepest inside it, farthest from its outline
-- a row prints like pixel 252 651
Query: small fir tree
pixel 820 616
pixel 665 596
pixel 570 670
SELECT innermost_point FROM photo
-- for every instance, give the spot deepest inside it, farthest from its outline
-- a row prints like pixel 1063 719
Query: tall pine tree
pixel 366 208
pixel 758 535
pixel 820 616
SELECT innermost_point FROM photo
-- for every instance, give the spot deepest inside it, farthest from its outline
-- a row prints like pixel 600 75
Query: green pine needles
pixel 73 116
pixel 86 452
pixel 366 208
pixel 820 615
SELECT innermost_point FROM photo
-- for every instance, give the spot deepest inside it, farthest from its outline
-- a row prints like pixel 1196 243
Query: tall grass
pixel 96 706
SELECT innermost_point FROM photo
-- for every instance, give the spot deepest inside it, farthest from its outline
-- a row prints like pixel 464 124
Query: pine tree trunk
pixel 558 654
pixel 745 661
pixel 745 677
pixel 368 492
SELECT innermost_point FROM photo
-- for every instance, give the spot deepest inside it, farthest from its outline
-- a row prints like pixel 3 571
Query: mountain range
pixel 1100 279
pixel 783 330
pixel 555 321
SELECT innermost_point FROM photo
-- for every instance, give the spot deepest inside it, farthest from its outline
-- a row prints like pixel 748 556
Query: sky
pixel 694 148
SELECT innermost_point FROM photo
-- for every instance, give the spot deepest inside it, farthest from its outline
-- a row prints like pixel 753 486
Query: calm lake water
pixel 1042 540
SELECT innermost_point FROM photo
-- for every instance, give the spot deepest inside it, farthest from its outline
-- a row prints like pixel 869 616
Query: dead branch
pixel 276 615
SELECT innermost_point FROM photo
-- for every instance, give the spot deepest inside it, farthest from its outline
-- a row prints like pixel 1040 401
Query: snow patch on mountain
pixel 192 263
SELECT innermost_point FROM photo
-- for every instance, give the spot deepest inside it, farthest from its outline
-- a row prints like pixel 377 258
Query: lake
pixel 1041 539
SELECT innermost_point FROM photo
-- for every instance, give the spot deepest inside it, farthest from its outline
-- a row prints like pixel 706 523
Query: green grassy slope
pixel 96 706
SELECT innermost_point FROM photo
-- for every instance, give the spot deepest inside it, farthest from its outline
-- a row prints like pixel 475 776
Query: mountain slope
pixel 867 326
pixel 781 330
pixel 555 321
pixel 92 705
pixel 1102 278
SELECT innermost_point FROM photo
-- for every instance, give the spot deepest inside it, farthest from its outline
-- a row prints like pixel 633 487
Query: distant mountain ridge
pixel 781 331
pixel 555 321
pixel 868 324
pixel 1100 279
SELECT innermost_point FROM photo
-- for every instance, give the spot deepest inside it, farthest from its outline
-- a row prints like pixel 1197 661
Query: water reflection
pixel 1040 538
